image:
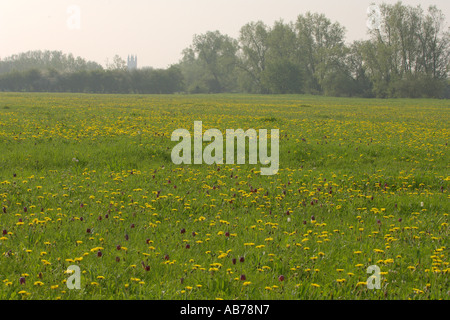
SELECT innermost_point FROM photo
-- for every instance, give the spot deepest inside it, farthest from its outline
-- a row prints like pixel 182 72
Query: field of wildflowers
pixel 88 180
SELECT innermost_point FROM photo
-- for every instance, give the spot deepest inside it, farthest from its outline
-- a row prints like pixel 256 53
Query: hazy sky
pixel 158 30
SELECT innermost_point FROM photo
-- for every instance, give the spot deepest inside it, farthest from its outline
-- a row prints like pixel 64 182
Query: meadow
pixel 88 180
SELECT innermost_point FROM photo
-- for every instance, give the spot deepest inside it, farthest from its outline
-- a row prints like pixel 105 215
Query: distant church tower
pixel 132 63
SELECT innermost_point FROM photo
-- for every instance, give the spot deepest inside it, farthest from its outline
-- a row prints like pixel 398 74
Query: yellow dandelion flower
pixel 362 283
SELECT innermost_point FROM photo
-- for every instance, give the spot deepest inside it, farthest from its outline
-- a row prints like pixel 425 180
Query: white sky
pixel 158 30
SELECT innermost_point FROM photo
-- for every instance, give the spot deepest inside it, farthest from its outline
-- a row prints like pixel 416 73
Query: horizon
pixel 107 27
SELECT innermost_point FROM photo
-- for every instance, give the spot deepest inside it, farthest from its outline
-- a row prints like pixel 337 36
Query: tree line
pixel 406 56
pixel 53 71
pixel 144 81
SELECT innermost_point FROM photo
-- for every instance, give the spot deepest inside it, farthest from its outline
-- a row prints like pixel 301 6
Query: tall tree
pixel 282 73
pixel 357 68
pixel 210 61
pixel 253 42
pixel 321 44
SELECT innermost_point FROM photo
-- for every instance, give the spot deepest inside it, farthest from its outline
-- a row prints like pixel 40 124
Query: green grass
pixel 373 173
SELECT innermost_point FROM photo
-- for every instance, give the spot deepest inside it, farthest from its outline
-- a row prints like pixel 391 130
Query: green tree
pixel 321 45
pixel 253 40
pixel 408 51
pixel 117 63
pixel 361 84
pixel 209 63
pixel 282 73
pixel 281 77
